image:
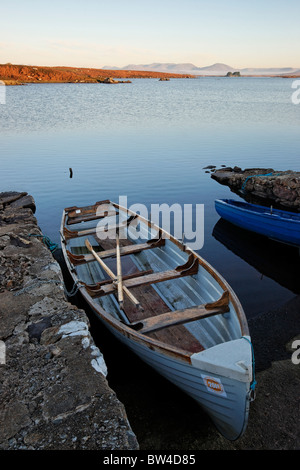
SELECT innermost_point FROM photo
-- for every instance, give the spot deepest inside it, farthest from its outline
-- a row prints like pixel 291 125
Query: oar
pixel 112 275
pixel 119 272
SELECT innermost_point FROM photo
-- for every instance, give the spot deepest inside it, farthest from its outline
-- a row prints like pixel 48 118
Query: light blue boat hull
pixel 279 225
pixel 219 374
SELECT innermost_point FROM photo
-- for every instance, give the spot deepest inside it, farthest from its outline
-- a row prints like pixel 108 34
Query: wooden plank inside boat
pixel 68 234
pixel 124 250
pixel 182 316
pixel 153 305
pixel 152 278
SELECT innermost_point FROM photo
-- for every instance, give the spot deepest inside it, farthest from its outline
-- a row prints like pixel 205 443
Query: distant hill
pixel 268 71
pixel 295 73
pixel 178 68
pixel 18 74
pixel 215 69
pixel 157 67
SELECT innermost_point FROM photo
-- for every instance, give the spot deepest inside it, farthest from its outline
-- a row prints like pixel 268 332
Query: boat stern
pixel 227 371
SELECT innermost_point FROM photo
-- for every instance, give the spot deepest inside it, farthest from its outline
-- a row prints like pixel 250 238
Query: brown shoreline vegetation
pixel 12 74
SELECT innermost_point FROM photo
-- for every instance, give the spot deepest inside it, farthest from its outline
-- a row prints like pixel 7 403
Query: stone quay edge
pixel 54 394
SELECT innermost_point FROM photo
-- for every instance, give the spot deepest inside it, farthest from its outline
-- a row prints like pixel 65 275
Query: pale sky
pixel 95 33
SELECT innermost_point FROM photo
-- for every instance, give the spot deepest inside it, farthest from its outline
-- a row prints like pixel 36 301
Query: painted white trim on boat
pixel 232 359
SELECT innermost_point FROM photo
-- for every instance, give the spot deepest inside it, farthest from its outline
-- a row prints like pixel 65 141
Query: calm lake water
pixel 150 141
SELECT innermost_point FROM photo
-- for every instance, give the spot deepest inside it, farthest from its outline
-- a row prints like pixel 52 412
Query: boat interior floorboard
pixel 152 305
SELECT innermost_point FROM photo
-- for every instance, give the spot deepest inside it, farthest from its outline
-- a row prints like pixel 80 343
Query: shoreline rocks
pixel 269 185
pixel 112 80
pixel 54 391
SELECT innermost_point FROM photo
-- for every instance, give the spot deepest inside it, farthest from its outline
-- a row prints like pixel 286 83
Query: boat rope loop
pixel 256 176
pixel 46 240
pixel 73 291
pixel 253 383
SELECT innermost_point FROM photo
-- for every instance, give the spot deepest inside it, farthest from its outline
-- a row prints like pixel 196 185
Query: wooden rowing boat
pixel 167 304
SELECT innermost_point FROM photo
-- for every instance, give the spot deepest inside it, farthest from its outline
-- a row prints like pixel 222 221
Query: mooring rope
pixel 253 383
pixel 256 176
pixel 46 240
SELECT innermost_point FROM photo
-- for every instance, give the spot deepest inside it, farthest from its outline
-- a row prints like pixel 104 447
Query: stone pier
pixel 54 394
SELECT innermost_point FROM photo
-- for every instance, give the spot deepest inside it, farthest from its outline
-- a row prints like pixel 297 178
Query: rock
pixel 25 202
pixel 35 330
pixel 233 74
pixel 54 391
pixel 10 196
pixel 270 186
pixel 112 80
pixel 109 80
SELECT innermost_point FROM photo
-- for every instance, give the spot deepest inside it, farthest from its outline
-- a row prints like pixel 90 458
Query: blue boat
pixel 276 224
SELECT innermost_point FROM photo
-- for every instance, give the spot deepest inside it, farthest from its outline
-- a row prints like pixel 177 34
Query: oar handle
pixel 112 275
pixel 119 273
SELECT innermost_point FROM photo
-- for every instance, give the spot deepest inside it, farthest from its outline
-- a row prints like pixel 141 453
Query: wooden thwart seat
pixel 73 211
pixel 187 269
pixel 124 250
pixel 116 280
pixel 88 217
pixel 68 234
pixel 94 289
pixel 83 214
pixel 178 317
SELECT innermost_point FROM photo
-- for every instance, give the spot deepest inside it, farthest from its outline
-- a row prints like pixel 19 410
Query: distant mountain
pixel 268 71
pixel 106 67
pixel 157 67
pixel 293 73
pixel 215 69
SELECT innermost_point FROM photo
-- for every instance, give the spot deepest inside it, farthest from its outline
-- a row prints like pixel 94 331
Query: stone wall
pixel 53 388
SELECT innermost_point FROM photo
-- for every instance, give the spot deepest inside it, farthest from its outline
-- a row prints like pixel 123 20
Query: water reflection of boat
pixel 273 259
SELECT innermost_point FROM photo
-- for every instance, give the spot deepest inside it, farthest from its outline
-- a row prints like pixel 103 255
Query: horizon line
pixel 151 63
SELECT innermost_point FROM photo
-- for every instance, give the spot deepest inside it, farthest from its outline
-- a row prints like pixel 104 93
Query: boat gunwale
pixel 125 329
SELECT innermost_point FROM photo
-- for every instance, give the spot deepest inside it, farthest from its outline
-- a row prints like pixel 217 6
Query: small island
pixel 233 74
pixel 111 80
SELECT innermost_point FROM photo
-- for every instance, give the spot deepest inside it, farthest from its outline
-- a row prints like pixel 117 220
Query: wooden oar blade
pixel 88 245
